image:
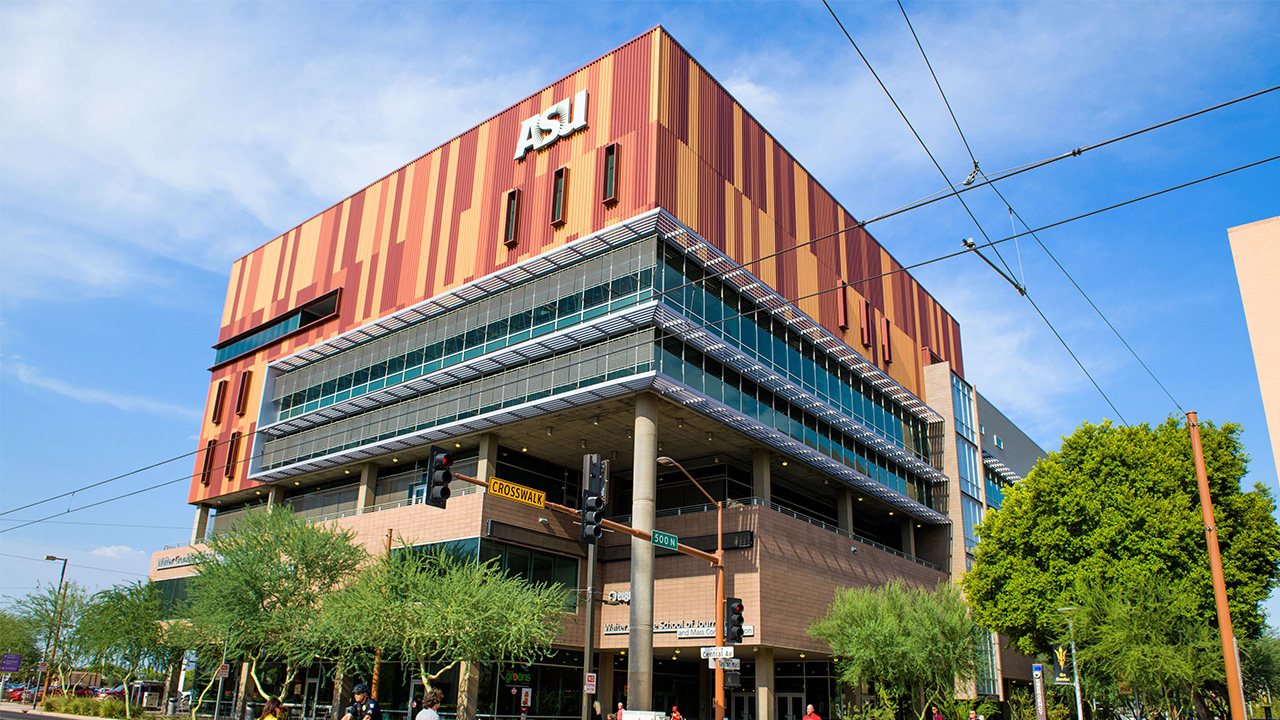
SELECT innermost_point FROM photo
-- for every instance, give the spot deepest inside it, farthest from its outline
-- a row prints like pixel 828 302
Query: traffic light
pixel 592 499
pixel 733 629
pixel 438 477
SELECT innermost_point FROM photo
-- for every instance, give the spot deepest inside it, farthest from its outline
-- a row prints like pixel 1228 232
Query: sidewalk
pixel 26 708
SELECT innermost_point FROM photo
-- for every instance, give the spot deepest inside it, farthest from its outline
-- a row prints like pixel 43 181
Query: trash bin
pixel 173 706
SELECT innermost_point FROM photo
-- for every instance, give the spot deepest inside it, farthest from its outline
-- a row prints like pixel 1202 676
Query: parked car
pixel 15 695
pixel 115 692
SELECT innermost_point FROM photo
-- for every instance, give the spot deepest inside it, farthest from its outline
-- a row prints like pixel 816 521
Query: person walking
pixel 274 710
pixel 809 714
pixel 675 713
pixel 365 707
pixel 430 705
pixel 936 715
pixel 618 715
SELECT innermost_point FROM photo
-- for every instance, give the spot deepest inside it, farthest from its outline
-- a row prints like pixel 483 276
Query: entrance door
pixel 790 706
pixel 310 697
pixel 743 706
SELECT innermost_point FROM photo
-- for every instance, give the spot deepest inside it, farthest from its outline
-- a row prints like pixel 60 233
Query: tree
pixel 18 636
pixel 1116 504
pixel 915 644
pixel 1261 665
pixel 421 607
pixel 121 626
pixel 260 589
pixel 1145 634
pixel 56 617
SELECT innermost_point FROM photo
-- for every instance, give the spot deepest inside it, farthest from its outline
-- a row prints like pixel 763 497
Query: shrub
pixel 82 706
pixel 53 703
pixel 111 708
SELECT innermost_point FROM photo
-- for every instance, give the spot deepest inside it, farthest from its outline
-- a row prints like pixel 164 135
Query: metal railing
pixel 761 502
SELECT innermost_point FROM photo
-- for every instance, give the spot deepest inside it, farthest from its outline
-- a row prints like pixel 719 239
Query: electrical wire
pixel 80 567
pixel 920 140
pixel 69 522
pixel 860 281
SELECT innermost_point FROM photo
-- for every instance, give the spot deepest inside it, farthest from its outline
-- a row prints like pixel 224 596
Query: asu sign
pixel 560 120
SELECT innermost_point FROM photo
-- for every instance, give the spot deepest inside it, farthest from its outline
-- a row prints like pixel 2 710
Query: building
pixel 1256 250
pixel 566 278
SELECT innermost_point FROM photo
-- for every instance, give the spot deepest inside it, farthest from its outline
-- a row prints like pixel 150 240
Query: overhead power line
pixel 81 567
pixel 121 525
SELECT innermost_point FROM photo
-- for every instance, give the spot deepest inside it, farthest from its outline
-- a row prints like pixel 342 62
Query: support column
pixel 468 690
pixel 761 482
pixel 604 683
pixel 368 483
pixel 488 465
pixel 201 526
pixel 244 690
pixel 909 535
pixel 644 493
pixel 275 496
pixel 764 684
pixel 844 509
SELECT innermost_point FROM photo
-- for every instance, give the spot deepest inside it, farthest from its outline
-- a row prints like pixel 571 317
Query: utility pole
pixel 1234 691
pixel 589 642
pixel 57 630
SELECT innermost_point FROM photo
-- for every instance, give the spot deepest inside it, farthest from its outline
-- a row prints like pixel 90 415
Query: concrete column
pixel 368 484
pixel 909 535
pixel 201 525
pixel 468 690
pixel 604 683
pixel 844 509
pixel 765 705
pixel 644 490
pixel 488 465
pixel 275 496
pixel 761 482
pixel 244 690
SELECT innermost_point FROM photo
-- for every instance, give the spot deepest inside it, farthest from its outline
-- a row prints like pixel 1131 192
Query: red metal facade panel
pixel 684 144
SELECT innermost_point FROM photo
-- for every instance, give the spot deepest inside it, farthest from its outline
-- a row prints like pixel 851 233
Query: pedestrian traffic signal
pixel 733 629
pixel 592 500
pixel 438 477
pixel 732 678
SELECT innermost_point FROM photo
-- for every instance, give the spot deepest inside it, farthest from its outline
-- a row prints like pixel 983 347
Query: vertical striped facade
pixel 683 144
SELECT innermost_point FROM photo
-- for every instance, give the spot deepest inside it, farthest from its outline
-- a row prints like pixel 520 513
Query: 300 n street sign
pixel 666 540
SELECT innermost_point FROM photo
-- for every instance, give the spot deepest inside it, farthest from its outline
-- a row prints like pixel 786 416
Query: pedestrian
pixel 973 715
pixel 430 704
pixel 936 715
pixel 809 714
pixel 365 707
pixel 675 713
pixel 595 710
pixel 618 715
pixel 274 710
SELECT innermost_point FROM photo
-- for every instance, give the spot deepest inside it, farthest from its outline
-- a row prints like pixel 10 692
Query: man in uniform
pixel 365 707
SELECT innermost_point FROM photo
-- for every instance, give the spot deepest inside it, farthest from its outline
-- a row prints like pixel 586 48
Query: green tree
pixel 915 644
pixel 1146 635
pixel 18 636
pixel 260 589
pixel 121 627
pixel 55 619
pixel 1115 504
pixel 1261 665
pixel 422 607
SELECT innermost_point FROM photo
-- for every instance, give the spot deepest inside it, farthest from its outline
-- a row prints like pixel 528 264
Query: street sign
pixel 665 540
pixel 589 687
pixel 223 671
pixel 526 697
pixel 43 666
pixel 1037 677
pixel 725 663
pixel 11 662
pixel 717 652
pixel 519 493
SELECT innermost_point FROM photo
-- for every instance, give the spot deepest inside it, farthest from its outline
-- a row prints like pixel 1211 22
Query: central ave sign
pixel 717 652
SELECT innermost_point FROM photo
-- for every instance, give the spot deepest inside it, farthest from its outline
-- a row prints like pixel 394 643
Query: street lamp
pixel 1075 671
pixel 719 565
pixel 57 631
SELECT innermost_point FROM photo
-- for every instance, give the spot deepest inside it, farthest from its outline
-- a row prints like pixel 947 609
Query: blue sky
pixel 145 146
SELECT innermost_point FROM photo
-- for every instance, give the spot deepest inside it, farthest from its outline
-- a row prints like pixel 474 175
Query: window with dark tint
pixel 558 183
pixel 242 397
pixel 219 399
pixel 610 174
pixel 510 236
pixel 206 472
pixel 320 309
pixel 233 451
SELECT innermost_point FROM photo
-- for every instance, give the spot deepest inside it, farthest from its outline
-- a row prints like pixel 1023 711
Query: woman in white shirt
pixel 429 705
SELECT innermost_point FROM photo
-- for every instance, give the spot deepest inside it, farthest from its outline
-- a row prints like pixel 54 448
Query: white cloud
pixel 33 378
pixel 118 552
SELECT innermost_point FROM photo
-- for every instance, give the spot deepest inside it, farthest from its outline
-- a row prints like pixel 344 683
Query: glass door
pixel 790 706
pixel 743 706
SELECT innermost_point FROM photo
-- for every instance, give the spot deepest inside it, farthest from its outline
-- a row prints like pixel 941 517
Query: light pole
pixel 57 631
pixel 1075 670
pixel 719 566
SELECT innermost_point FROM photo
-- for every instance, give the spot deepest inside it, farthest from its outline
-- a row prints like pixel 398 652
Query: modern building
pixel 623 263
pixel 1256 250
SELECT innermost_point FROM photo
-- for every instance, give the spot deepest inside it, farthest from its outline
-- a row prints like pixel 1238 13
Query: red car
pixel 76 690
pixel 115 692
